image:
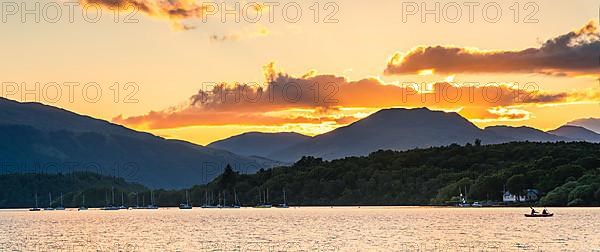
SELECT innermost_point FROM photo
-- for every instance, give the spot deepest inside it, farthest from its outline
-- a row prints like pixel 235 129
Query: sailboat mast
pixel 61 200
pixel 50 199
pixel 235 197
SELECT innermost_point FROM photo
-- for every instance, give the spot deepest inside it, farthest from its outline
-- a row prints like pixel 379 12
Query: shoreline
pixel 307 207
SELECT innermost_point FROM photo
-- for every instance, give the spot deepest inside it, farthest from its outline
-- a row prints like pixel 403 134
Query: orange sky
pixel 180 76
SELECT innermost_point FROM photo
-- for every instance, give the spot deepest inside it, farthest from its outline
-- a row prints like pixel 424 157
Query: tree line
pixel 566 174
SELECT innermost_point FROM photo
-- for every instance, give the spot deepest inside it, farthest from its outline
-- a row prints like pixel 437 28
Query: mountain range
pixel 269 143
pixel 397 129
pixel 41 138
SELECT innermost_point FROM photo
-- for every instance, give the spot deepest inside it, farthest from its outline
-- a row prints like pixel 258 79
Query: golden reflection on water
pixel 301 229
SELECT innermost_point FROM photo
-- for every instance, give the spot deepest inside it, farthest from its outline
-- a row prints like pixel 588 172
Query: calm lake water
pixel 301 229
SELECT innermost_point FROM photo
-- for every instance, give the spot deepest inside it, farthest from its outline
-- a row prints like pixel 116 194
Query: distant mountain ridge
pixel 40 138
pixel 402 129
pixel 259 144
pixel 396 129
pixel 592 124
pixel 523 133
pixel 576 133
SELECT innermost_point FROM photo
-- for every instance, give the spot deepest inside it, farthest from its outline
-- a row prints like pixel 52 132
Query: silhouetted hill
pixel 259 144
pixel 394 129
pixel 592 124
pixel 565 173
pixel 40 138
pixel 520 134
pixel 577 133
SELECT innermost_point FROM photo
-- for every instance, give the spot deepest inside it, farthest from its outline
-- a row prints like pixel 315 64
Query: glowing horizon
pixel 171 67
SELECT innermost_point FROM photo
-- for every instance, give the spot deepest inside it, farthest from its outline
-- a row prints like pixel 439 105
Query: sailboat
pixel 187 202
pixel 207 201
pixel 36 208
pixel 463 198
pixel 112 206
pixel 61 207
pixel 83 207
pixel 137 201
pixel 263 200
pixel 49 208
pixel 152 205
pixel 122 201
pixel 284 205
pixel 236 202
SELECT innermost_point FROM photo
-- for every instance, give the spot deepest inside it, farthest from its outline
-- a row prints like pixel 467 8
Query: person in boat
pixel 533 211
pixel 545 211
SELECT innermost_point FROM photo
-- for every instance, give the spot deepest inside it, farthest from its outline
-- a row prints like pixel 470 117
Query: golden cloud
pixel 574 53
pixel 318 99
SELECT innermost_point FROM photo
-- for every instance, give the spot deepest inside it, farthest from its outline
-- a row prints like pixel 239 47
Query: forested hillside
pixel 565 173
pixel 19 190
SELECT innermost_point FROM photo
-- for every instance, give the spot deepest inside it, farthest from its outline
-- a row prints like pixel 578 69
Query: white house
pixel 530 195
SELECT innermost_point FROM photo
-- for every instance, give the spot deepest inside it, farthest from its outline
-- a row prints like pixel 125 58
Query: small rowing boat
pixel 539 215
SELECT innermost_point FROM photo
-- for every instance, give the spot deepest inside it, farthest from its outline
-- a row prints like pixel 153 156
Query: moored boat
pixel 61 207
pixel 36 208
pixel 284 205
pixel 82 207
pixel 49 208
pixel 187 204
pixel 208 201
pixel 263 200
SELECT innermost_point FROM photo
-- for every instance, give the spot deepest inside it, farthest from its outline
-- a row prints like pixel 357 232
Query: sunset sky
pixel 540 73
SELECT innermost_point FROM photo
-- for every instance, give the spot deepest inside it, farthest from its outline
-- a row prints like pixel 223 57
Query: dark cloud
pixel 174 11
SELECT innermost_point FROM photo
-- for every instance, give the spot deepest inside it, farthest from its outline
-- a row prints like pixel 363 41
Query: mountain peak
pixel 591 123
pixel 411 113
pixel 576 133
pixel 259 143
pixel 523 133
pixel 396 129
